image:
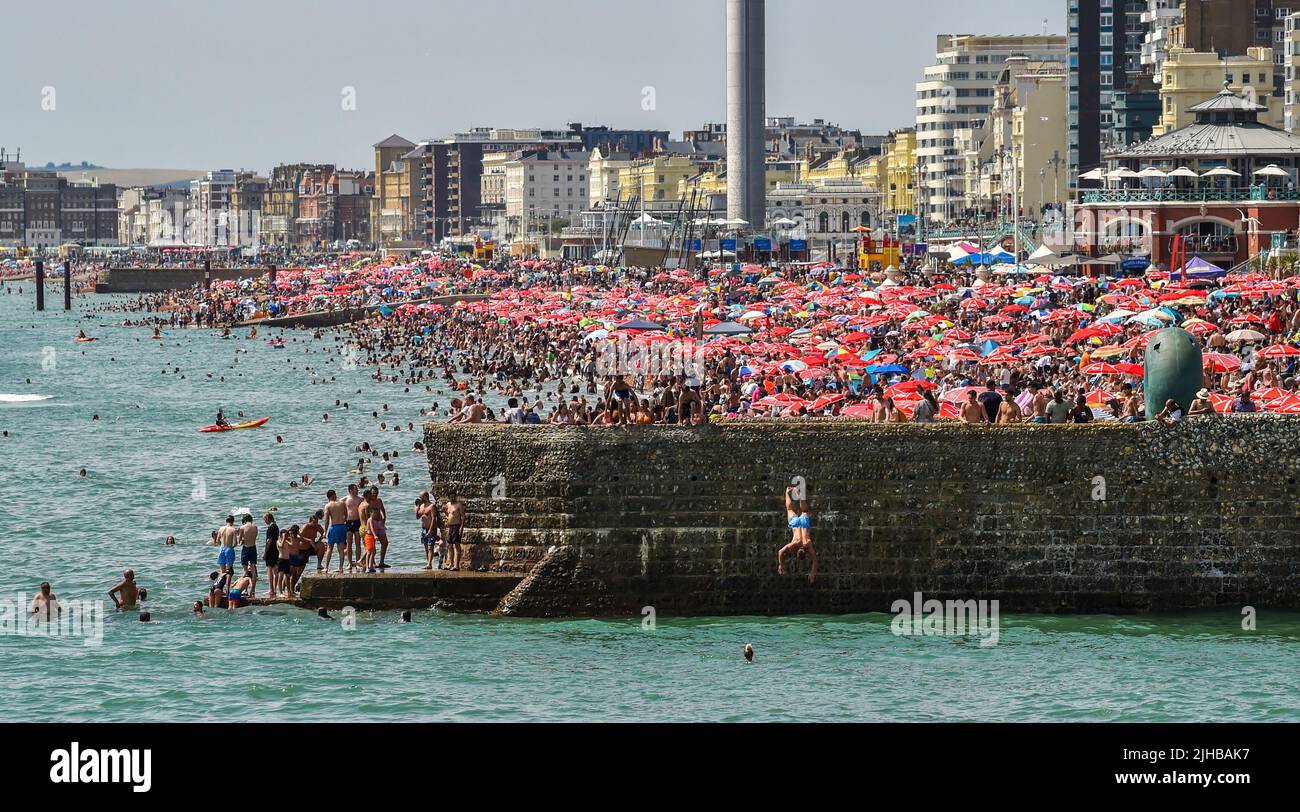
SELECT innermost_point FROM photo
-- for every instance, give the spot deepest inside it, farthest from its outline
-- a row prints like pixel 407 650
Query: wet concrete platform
pixel 453 591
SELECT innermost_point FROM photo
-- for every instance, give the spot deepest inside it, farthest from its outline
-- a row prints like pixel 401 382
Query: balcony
pixel 1239 194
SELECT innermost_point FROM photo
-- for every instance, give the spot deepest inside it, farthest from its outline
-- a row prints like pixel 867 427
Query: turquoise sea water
pixel 150 474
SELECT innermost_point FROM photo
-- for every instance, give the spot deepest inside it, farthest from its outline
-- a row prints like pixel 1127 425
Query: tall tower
pixel 746 111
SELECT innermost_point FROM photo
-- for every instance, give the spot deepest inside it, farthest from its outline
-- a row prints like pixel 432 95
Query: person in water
pixel 126 594
pixel 243 588
pixel 800 524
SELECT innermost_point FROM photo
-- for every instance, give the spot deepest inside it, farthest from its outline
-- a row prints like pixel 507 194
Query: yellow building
pixel 707 182
pixel 710 182
pixel 1191 77
pixel 656 178
pixel 899 159
pixel 823 168
pixel 391 213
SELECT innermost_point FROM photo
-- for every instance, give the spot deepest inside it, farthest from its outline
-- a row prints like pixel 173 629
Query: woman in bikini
pixel 800 524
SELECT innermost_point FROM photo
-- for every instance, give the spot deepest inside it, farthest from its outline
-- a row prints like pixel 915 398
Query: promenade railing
pixel 1236 194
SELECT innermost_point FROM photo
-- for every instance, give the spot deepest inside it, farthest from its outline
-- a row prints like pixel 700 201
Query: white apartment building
pixel 956 95
pixel 546 185
pixel 167 218
pixel 1291 59
pixel 1160 17
pixel 210 209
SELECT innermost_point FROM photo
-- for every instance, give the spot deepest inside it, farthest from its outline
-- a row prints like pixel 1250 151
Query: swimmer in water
pixel 749 653
pixel 126 594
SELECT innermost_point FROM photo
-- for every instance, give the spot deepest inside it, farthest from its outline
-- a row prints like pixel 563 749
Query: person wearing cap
pixel 1202 405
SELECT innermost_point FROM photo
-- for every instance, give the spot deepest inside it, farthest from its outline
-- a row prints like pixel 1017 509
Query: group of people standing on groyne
pixel 349 533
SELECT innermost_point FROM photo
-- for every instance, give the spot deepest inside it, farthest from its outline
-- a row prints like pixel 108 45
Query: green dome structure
pixel 1173 370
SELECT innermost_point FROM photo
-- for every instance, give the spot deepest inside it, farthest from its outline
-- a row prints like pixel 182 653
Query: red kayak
pixel 252 424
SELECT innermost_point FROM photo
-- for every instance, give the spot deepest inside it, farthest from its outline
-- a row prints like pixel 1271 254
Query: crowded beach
pixel 563 342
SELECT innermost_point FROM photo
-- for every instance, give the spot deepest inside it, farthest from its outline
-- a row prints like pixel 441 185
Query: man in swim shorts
pixel 227 536
pixel 353 503
pixel 311 534
pixel 455 526
pixel 427 512
pixel 248 536
pixel 336 529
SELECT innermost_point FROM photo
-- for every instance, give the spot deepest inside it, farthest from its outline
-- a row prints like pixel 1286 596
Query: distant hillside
pixel 70 167
pixel 136 177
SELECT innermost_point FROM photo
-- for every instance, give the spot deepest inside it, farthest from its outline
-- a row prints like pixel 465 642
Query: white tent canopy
pixel 1043 256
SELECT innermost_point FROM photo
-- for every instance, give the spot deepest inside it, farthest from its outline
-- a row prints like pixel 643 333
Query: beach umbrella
pixel 1272 171
pixel 824 401
pixel 1245 335
pixel 641 325
pixel 1290 404
pixel 1101 368
pixel 728 328
pixel 1095 174
pixel 1098 397
pixel 1219 363
pixel 1183 172
pixel 1221 172
pixel 1277 351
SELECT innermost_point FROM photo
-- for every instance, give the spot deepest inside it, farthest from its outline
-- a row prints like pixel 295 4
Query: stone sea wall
pixel 1081 519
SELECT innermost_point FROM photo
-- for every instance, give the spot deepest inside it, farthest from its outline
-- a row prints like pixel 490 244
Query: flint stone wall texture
pixel 688 520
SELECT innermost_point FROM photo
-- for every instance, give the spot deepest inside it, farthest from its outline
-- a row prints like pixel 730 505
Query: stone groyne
pixel 1101 518
pixel 158 280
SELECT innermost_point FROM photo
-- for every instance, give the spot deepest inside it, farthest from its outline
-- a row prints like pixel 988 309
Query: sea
pixel 150 474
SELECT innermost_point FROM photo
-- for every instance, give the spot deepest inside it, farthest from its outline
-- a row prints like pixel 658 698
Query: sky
pixel 248 84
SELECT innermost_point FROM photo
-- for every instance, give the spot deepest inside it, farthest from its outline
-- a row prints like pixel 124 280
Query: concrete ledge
pixel 453 591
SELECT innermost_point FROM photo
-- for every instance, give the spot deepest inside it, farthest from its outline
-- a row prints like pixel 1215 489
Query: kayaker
pixel 221 420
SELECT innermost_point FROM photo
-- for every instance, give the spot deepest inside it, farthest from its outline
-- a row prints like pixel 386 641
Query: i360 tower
pixel 746 111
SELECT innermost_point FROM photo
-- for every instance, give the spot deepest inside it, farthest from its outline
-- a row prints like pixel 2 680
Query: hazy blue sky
pixel 252 83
